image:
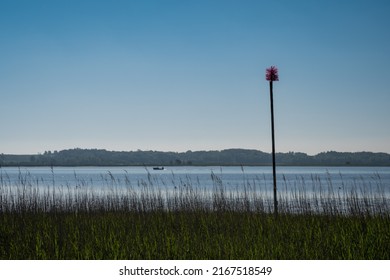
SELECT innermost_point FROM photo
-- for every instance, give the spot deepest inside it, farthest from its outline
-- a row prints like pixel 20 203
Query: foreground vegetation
pixel 188 223
pixel 191 235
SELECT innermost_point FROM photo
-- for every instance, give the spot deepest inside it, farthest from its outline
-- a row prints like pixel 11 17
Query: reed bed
pixel 182 220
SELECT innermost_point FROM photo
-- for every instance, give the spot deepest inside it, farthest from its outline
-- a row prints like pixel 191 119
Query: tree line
pixel 99 157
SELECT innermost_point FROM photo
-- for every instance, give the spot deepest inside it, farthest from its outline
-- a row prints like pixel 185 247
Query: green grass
pixel 192 235
pixel 188 224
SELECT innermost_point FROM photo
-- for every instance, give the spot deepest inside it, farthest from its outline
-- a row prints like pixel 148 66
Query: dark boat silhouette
pixel 159 168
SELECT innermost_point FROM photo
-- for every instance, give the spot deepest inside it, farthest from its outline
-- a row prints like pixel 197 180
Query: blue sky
pixel 190 75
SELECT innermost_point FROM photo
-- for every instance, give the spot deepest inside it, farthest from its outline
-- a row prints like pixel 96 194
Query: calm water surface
pixel 310 179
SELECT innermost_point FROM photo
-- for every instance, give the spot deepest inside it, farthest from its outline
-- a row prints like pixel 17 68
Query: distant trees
pixel 95 157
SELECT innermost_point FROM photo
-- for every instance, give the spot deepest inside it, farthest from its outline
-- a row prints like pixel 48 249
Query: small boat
pixel 159 168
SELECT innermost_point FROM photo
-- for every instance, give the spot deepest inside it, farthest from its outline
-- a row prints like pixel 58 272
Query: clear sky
pixel 180 75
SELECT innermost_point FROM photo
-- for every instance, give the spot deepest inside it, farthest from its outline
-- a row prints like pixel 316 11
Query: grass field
pixel 188 224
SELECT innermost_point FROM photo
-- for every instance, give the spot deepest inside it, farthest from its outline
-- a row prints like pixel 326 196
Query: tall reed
pixel 28 195
pixel 151 219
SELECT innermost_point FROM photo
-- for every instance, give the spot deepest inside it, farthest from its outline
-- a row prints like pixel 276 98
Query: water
pixel 315 189
pixel 308 179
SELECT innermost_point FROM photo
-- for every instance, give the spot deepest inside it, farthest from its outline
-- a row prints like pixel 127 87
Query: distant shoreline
pixel 229 157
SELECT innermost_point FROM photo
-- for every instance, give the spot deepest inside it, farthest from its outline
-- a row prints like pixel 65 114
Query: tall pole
pixel 273 148
pixel 271 74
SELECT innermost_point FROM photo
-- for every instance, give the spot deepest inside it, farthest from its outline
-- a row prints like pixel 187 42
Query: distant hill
pixel 95 157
